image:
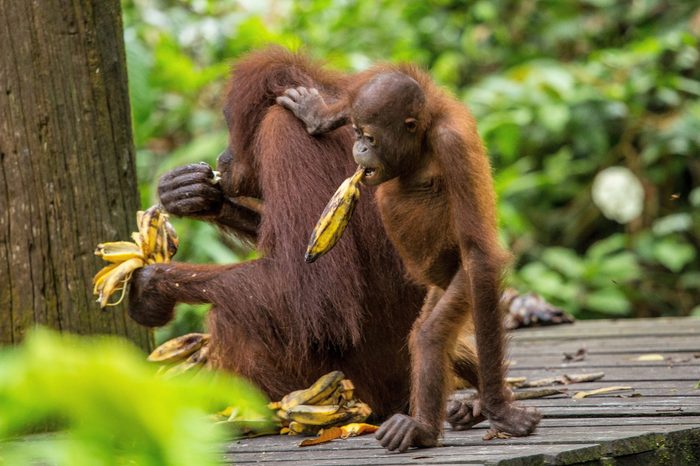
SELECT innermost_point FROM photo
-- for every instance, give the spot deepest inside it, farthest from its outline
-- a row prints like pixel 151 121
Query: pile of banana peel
pixel 155 241
pixel 328 408
pixel 329 402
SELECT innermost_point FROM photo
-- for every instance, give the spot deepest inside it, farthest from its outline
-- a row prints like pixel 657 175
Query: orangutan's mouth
pixel 370 172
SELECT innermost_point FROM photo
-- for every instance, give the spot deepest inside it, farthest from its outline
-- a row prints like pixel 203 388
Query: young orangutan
pixel 437 203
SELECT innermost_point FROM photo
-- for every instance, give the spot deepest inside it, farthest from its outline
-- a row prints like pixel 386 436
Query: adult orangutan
pixel 276 320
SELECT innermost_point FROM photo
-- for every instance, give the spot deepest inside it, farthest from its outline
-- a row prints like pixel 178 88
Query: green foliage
pixel 106 406
pixel 594 284
pixel 561 90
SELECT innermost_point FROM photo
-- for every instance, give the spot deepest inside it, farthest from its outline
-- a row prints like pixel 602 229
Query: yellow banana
pixel 297 428
pixel 328 402
pixel 333 398
pixel 325 416
pixel 160 251
pixel 274 405
pixel 139 236
pixel 180 348
pixel 148 222
pixel 328 416
pixel 115 280
pixel 335 217
pixel 100 277
pixel 194 362
pixel 320 390
pixel 118 251
pixel 162 240
pixel 347 389
pixel 155 241
pixel 358 412
pixel 172 240
pixel 182 367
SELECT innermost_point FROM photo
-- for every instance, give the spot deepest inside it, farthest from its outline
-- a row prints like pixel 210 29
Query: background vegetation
pixel 561 90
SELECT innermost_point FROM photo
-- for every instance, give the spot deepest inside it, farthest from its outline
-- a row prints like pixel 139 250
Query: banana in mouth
pixel 335 217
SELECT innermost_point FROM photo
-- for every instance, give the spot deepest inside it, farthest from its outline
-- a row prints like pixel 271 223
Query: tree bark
pixel 67 171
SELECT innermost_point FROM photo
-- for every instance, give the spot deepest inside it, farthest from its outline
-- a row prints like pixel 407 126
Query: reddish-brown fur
pixel 437 202
pixel 277 320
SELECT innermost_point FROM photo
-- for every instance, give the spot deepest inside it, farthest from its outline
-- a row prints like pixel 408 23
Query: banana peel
pixel 349 430
pixel 329 415
pixel 328 402
pixel 155 241
pixel 322 389
pixel 184 354
pixel 180 348
pixel 335 217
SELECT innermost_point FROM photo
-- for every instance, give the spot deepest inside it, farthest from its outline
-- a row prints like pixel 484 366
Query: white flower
pixel 619 194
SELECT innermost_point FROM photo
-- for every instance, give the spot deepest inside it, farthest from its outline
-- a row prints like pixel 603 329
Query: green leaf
pixel 606 246
pixel 563 260
pixel 608 301
pixel 690 280
pixel 620 267
pixel 541 279
pixel 672 224
pixel 554 117
pixel 506 139
pixel 446 68
pixel 695 197
pixel 674 254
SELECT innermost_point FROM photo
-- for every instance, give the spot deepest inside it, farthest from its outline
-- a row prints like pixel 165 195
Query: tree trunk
pixel 67 171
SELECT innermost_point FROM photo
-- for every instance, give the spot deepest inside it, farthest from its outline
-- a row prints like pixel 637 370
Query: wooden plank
pixel 631 345
pixel 671 388
pixel 665 374
pixel 647 393
pixel 660 398
pixel 545 434
pixel 535 361
pixel 680 421
pixel 570 442
pixel 612 329
pixel 619 411
pixel 655 403
pixel 643 439
pixel 483 453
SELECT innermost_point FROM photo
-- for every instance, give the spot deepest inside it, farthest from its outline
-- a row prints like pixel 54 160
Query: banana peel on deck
pixel 343 432
pixel 328 402
pixel 155 241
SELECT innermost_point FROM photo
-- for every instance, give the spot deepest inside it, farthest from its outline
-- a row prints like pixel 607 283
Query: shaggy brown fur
pixel 277 320
pixel 436 199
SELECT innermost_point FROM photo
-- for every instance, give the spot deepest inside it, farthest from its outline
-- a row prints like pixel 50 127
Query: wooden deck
pixel 657 423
